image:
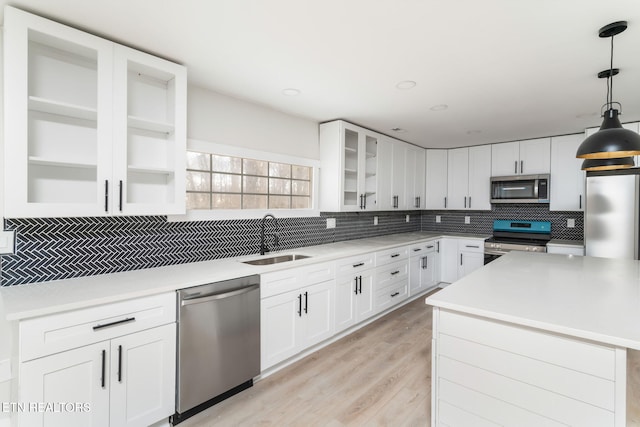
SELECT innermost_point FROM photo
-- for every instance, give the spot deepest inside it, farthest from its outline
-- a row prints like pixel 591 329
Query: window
pixel 227 182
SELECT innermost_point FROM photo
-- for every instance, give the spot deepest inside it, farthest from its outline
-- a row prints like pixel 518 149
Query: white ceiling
pixel 506 69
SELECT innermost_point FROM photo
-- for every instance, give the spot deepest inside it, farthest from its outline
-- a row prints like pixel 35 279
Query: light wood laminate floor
pixel 379 375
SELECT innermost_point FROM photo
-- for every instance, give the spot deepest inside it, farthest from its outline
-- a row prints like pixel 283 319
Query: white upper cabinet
pixel 349 167
pixel 64 102
pixel 436 179
pixel 364 170
pixel 528 157
pixel 458 178
pixel 479 177
pixel 468 182
pixel 414 173
pixel 567 180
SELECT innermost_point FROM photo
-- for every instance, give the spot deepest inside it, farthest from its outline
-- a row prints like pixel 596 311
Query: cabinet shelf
pixel 62 108
pixel 351 171
pixel 34 160
pixel 151 125
pixel 350 150
pixel 150 170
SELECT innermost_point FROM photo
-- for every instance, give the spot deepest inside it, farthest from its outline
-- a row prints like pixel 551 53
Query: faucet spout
pixel 263 247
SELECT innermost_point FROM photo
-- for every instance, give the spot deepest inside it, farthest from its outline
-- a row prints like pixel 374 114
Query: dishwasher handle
pixel 218 295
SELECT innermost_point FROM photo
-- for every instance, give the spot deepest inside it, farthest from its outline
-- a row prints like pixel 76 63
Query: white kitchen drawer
pixel 471 245
pixel 391 295
pixel 42 336
pixel 355 264
pixel 391 255
pixel 291 279
pixel 391 274
pixel 420 249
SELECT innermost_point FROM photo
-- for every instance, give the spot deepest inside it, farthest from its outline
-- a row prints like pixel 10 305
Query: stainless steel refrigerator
pixel 611 221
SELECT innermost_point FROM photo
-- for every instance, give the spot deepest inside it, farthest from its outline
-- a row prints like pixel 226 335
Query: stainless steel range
pixel 516 235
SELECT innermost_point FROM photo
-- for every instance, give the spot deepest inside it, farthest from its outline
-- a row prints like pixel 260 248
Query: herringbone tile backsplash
pixel 60 248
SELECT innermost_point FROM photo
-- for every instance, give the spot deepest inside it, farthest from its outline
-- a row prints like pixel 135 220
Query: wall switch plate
pixel 571 223
pixel 467 220
pixel 331 223
pixel 7 242
pixel 375 220
pixel 407 218
pixel 438 218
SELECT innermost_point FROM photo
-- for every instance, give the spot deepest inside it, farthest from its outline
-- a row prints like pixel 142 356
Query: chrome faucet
pixel 263 247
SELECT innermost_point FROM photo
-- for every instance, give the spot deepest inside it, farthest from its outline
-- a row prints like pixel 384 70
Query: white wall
pixel 226 120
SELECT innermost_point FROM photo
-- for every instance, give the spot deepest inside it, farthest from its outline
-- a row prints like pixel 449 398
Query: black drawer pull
pixel 117 322
pixel 430 247
pixel 473 246
pixel 395 255
pixel 360 264
pixel 417 250
pixel 395 294
pixel 393 273
pixel 119 363
pixel 104 366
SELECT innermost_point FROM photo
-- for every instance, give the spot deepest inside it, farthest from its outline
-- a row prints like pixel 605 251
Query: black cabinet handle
pixel 306 302
pixel 395 255
pixel 117 322
pixel 472 246
pixel 460 259
pixel 580 202
pixel 106 195
pixel 465 202
pixel 300 305
pixel 430 247
pixel 424 263
pixel 438 246
pixel 417 249
pixel 445 202
pixel 360 281
pixel 364 201
pixel 360 264
pixel 119 363
pixel 393 273
pixel 515 167
pixel 469 202
pixel 104 367
pixel 395 294
pixel 521 166
pixel 395 201
pixel 120 196
pixel 356 287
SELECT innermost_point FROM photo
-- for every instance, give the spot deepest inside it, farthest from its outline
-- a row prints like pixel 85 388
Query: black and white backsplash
pixel 60 248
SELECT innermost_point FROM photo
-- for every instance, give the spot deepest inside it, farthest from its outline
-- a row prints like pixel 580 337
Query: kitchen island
pixel 536 339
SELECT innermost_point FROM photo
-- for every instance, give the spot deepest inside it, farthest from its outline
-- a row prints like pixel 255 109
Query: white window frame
pixel 248 153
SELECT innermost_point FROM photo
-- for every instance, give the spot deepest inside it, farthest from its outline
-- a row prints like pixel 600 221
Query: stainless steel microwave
pixel 520 189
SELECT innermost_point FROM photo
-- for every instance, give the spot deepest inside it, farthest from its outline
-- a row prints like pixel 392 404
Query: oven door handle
pixel 495 252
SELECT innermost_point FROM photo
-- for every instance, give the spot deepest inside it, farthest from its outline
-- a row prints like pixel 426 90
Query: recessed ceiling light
pixel 439 107
pixel 406 84
pixel 291 92
pixel 399 130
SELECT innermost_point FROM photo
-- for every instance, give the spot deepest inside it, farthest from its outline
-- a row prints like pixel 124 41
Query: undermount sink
pixel 276 259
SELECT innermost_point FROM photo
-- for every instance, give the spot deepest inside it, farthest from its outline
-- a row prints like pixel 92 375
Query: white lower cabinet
pixel 354 299
pixel 470 256
pixel 115 364
pixel 292 321
pixel 422 267
pixel 392 284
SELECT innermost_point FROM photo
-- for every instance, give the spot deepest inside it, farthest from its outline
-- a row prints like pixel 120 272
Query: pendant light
pixel 607 164
pixel 611 141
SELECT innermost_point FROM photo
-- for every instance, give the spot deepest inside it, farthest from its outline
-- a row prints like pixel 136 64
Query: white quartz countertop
pixel 586 297
pixel 38 299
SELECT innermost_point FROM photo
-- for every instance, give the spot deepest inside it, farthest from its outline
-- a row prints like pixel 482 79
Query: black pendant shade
pixel 607 164
pixel 611 141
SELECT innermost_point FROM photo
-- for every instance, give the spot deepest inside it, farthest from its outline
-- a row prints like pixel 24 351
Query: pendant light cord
pixel 610 80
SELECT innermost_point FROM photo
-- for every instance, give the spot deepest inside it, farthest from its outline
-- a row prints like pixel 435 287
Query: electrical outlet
pixel 407 218
pixel 467 220
pixel 7 242
pixel 375 220
pixel 571 223
pixel 438 218
pixel 331 223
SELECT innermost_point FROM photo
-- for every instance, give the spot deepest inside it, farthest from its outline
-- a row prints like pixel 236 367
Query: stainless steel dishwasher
pixel 218 343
